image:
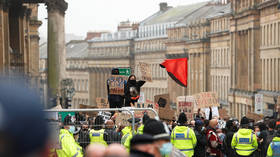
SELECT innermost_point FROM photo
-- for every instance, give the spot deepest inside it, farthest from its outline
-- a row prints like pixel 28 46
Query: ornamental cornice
pixel 56 5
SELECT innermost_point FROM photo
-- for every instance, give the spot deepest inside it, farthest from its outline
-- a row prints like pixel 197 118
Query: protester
pixel 144 120
pixel 115 101
pixel 132 90
pixel 96 134
pixel 142 146
pixel 110 134
pixel 271 132
pixel 95 150
pixel 69 147
pixel 262 148
pixel 84 139
pixel 214 143
pixel 230 130
pixel 161 136
pixel 274 146
pixel 244 141
pixel 23 129
pixel 199 150
pixel 116 150
pixel 183 137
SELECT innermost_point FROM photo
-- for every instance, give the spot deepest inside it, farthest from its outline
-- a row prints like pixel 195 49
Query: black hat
pixel 182 119
pixel 157 129
pixel 136 120
pixel 141 139
pixel 68 120
pixel 245 120
pixel 145 118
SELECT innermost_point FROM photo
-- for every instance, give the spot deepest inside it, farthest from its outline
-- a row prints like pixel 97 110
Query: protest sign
pixel 254 116
pixel 206 99
pixel 186 104
pixel 102 103
pixel 215 112
pixel 106 115
pixel 122 119
pixel 146 72
pixel 116 84
pixel 223 113
pixel 163 103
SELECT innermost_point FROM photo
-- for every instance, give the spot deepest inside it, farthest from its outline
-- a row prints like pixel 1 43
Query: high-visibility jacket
pixel 140 129
pixel 127 136
pixel 244 142
pixel 69 147
pixel 184 139
pixel 274 148
pixel 97 136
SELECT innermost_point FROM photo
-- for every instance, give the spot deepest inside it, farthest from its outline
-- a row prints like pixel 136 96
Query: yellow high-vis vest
pixel 96 136
pixel 69 147
pixel 244 142
pixel 184 139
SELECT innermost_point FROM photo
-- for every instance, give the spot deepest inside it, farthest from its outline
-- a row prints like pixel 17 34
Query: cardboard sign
pixel 254 116
pixel 102 103
pixel 146 72
pixel 206 99
pixel 223 113
pixel 116 84
pixel 215 112
pixel 186 104
pixel 122 119
pixel 106 115
pixel 163 102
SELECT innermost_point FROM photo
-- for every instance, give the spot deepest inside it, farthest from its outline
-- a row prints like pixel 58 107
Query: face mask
pixel 258 133
pixel 165 149
pixel 71 129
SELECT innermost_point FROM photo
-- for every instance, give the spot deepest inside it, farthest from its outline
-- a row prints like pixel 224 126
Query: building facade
pixel 19 38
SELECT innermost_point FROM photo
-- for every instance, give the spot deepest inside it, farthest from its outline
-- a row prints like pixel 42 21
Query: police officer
pixel 128 133
pixel 244 141
pixel 68 145
pixel 96 135
pixel 144 120
pixel 183 137
pixel 274 147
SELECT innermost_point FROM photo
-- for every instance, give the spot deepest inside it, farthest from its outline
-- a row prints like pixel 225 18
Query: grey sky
pixel 95 15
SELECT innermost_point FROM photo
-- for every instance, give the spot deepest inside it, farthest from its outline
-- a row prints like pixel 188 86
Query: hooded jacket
pixel 128 97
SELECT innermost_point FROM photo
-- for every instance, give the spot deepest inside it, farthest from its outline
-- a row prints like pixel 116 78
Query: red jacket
pixel 214 143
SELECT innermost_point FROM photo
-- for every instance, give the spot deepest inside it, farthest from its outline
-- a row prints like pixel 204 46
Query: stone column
pixel 273 74
pixel 56 45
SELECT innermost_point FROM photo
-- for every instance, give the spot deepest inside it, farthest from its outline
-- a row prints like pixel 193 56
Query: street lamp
pixel 275 107
pixel 67 92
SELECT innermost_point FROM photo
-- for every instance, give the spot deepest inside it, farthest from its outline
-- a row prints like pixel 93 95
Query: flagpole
pixel 187 56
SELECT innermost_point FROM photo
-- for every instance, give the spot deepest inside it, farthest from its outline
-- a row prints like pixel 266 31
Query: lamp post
pixel 275 113
pixel 67 92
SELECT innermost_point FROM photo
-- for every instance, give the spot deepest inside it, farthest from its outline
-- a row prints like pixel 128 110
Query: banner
pixel 206 99
pixel 163 103
pixel 146 72
pixel 116 84
pixel 258 103
pixel 254 116
pixel 186 104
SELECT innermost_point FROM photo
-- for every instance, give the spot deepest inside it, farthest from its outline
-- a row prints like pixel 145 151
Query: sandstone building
pixel 19 39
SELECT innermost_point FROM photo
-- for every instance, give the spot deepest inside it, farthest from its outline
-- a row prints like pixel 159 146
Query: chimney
pixel 163 6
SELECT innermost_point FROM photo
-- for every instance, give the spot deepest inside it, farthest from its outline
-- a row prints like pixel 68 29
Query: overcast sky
pixel 95 15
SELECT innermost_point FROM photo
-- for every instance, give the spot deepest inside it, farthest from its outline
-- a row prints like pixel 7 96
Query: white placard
pixel 258 103
pixel 141 99
pixel 215 112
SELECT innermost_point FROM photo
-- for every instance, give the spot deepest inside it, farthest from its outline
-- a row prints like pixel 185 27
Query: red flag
pixel 177 69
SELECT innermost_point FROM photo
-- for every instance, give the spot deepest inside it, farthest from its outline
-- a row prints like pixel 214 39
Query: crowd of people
pixel 153 138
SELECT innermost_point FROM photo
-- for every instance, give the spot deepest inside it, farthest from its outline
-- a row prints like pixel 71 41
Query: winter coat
pixel 199 150
pixel 128 97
